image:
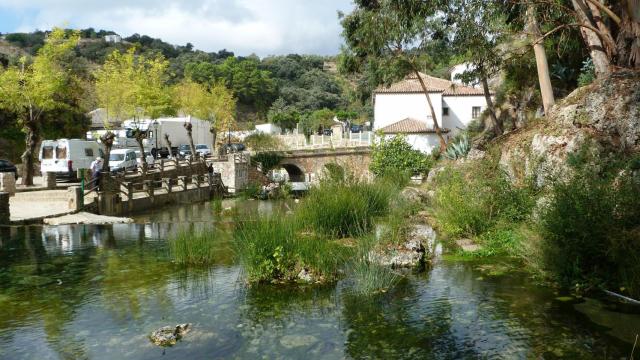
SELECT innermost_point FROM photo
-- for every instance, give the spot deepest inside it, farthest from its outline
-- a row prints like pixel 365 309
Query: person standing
pixel 96 168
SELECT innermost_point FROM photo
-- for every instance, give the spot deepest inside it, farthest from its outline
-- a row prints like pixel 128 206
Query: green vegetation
pixel 459 149
pixel 345 208
pixel 473 199
pixel 591 231
pixel 392 156
pixel 263 142
pixel 370 278
pixel 272 249
pixel 194 247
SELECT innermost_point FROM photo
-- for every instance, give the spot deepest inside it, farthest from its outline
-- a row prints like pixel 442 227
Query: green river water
pixel 96 292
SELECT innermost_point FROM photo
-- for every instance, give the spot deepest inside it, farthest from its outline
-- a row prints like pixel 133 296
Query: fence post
pixel 130 191
pixel 76 198
pixel 169 184
pixel 5 211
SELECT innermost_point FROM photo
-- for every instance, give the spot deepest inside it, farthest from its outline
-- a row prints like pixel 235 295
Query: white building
pixel 402 108
pixel 271 129
pixel 113 38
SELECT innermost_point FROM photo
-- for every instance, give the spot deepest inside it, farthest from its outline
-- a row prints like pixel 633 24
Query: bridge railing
pixel 299 141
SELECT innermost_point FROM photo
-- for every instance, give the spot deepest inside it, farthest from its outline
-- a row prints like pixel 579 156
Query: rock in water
pixel 169 335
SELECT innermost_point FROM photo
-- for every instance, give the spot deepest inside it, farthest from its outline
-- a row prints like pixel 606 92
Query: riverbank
pixel 559 194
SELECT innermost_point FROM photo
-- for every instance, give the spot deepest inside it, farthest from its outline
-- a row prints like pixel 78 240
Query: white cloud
pixel 242 26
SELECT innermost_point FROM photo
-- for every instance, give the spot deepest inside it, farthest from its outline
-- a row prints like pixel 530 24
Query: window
pixel 445 111
pixel 61 152
pixel 131 156
pixel 116 157
pixel 88 152
pixel 475 112
pixel 47 152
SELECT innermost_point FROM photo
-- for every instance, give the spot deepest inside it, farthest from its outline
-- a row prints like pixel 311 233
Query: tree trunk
pixel 143 159
pixel 443 143
pixel 497 126
pixel 601 61
pixel 541 61
pixel 32 138
pixel 214 135
pixel 628 39
pixel 107 142
pixel 166 139
pixel 189 128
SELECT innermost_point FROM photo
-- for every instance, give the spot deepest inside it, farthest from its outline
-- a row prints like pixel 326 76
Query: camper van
pixel 65 156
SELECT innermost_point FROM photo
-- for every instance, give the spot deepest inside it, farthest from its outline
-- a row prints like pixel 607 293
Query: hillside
pixel 299 85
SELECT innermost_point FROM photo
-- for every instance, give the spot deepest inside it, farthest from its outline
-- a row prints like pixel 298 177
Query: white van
pixel 65 156
pixel 122 160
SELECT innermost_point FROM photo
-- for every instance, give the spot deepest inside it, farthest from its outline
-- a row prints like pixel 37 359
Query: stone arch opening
pixel 296 174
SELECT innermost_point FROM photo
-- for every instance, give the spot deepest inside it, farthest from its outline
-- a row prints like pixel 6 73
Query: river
pixel 96 292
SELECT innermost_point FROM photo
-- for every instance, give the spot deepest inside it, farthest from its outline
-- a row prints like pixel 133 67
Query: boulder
pixel 169 335
pixel 411 254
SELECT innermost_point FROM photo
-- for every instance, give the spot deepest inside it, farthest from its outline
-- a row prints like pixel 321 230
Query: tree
pixel 213 103
pixel 133 86
pixel 541 59
pixel 114 88
pixel 283 115
pixel 33 88
pixel 393 34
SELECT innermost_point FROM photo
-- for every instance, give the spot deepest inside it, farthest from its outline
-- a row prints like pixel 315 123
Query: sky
pixel 262 27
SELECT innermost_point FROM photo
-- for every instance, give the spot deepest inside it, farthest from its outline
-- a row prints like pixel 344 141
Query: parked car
pixel 234 147
pixel 122 160
pixel 7 167
pixel 184 151
pixel 65 156
pixel 151 161
pixel 327 132
pixel 356 128
pixel 203 149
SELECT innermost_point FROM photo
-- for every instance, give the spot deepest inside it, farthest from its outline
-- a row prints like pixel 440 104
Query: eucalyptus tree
pixel 34 87
pixel 213 103
pixel 392 36
pixel 477 36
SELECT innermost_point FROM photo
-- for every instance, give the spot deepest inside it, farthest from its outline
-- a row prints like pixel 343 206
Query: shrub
pixel 474 198
pixel 395 155
pixel 587 73
pixel 268 160
pixel 591 230
pixel 260 141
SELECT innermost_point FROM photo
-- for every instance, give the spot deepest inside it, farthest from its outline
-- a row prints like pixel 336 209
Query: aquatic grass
pixel 264 246
pixel 194 247
pixel 345 208
pixel 272 248
pixel 368 277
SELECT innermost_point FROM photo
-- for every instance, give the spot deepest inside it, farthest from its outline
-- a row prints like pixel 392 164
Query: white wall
pixel 391 108
pixel 422 142
pixel 460 108
pixel 269 129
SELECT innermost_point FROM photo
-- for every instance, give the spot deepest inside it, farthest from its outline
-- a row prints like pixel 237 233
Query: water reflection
pixel 95 292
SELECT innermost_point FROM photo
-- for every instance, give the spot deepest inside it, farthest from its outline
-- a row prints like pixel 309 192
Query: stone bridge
pixel 309 165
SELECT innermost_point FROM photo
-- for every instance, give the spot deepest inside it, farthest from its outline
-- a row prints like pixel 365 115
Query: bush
pixel 458 149
pixel 395 155
pixel 263 142
pixel 591 231
pixel 474 198
pixel 268 160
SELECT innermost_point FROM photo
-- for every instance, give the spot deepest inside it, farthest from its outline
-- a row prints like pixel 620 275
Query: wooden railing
pixel 166 175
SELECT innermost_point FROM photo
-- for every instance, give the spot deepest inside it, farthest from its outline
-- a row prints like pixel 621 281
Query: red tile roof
pixel 410 126
pixel 411 85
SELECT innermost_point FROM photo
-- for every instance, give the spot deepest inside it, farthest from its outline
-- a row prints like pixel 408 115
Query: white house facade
pixel 402 108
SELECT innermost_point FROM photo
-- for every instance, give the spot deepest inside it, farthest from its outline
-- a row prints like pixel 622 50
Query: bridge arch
pixel 296 173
